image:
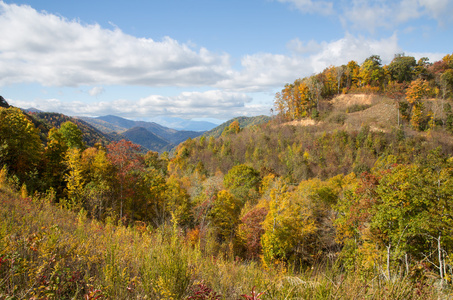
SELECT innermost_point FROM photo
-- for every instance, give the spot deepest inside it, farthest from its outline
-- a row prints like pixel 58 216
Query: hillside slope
pixel 350 135
pixel 90 259
pixel 91 135
pixel 243 123
pixel 351 112
pixel 110 124
pixel 147 139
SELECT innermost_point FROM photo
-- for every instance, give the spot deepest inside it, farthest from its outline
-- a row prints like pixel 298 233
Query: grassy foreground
pixel 47 252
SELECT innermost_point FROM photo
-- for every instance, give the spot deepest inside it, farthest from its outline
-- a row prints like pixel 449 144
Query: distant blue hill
pixel 150 135
pixel 147 139
pixel 183 124
pixel 32 110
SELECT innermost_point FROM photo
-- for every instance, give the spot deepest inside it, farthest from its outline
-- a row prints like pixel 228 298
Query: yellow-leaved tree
pixel 224 215
pixel 288 226
pixel 73 178
pixel 20 145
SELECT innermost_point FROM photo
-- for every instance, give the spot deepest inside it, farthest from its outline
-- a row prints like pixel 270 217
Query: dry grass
pixel 51 253
pixel 352 111
pixel 303 122
pixel 344 101
pixel 381 116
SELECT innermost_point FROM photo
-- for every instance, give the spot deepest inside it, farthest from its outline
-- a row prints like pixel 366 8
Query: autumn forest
pixel 345 193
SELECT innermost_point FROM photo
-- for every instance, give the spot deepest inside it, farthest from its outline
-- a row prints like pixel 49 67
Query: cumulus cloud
pixel 43 48
pixel 213 103
pixel 266 70
pixel 354 48
pixel 441 10
pixel 260 72
pixel 53 51
pixel 371 15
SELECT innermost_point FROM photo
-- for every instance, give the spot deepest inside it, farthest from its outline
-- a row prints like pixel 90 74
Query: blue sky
pixel 197 58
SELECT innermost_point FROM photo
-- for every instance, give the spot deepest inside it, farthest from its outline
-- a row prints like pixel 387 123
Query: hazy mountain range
pixel 160 138
pixel 150 135
pixel 183 124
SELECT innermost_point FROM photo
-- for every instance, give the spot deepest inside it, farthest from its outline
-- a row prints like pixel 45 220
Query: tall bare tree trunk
pixel 388 260
pixel 407 264
pixel 441 269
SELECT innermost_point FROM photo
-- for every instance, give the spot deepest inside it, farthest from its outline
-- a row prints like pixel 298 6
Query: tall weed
pixel 51 253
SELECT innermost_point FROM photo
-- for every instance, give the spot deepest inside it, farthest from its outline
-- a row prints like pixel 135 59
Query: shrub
pixel 337 118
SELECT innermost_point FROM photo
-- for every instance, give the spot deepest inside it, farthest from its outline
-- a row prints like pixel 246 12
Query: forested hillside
pixel 347 192
pixel 242 121
pixel 90 135
pixel 147 139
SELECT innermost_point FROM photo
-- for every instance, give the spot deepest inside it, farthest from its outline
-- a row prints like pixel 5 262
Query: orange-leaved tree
pixel 128 162
pixel 417 91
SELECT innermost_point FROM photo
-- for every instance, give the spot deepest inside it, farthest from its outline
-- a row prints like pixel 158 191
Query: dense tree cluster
pixel 303 195
pixel 116 181
pixel 411 83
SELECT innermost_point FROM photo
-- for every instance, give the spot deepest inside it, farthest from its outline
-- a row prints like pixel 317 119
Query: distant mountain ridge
pixel 32 110
pixel 183 124
pixel 115 123
pixel 150 135
pixel 156 137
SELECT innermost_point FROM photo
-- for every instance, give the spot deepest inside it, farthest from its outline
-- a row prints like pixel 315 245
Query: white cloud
pixel 53 51
pixel 311 6
pixel 39 47
pixel 96 91
pixel 265 70
pixel 368 15
pixel 213 103
pixel 260 72
pixel 354 48
pixel 406 10
pixel 441 10
pixel 433 57
pixel 371 15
